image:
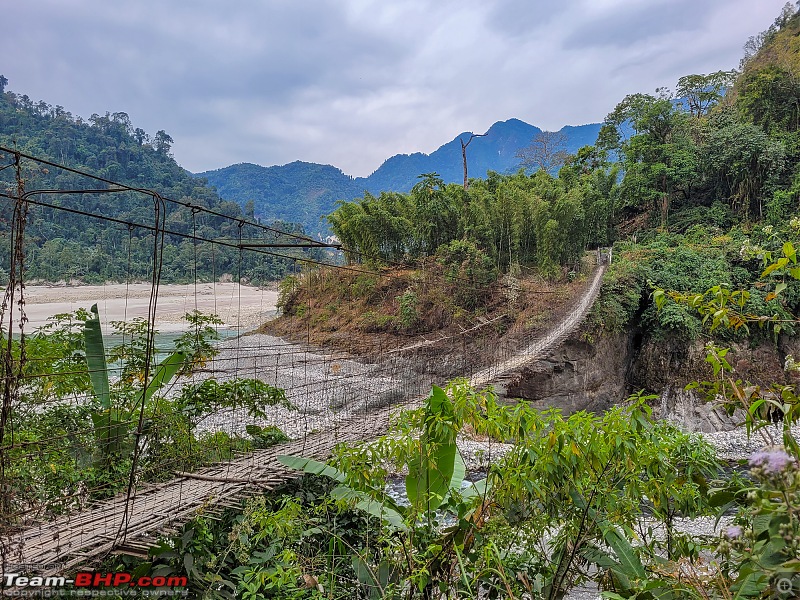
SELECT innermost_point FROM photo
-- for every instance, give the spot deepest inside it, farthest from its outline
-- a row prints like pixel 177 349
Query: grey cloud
pixel 632 23
pixel 517 18
pixel 350 82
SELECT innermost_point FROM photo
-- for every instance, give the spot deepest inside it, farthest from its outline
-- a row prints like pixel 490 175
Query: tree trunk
pixel 472 136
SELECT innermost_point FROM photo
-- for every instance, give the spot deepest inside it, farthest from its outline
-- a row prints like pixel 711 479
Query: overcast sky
pixel 352 82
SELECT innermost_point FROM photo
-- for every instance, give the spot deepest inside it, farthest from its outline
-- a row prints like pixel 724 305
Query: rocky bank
pixel 587 374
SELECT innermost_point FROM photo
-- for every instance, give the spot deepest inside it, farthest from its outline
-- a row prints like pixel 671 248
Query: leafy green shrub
pixel 200 399
pixel 408 317
pixel 288 292
pixel 198 343
pixel 364 286
pixel 469 270
pixel 61 456
pixel 264 437
pixel 677 320
pixel 620 296
pixel 761 553
pixel 56 477
pixel 578 477
pixel 57 350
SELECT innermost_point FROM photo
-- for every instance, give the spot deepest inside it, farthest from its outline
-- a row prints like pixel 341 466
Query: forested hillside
pixel 696 187
pixel 62 246
pixel 696 190
pixel 306 192
pixel 710 192
pixel 300 191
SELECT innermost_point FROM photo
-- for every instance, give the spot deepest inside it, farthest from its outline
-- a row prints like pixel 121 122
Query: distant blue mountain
pixel 306 192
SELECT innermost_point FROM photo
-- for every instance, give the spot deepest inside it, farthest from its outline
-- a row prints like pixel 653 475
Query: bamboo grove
pixel 537 220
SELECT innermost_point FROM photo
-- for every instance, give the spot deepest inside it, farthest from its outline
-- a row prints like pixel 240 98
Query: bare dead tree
pixel 472 136
pixel 547 150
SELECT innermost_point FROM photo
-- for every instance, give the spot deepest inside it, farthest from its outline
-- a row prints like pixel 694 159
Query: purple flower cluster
pixel 733 532
pixel 772 461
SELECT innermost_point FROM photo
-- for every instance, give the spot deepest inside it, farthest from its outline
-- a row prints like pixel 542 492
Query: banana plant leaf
pixel 429 475
pixel 112 431
pixel 96 359
pixel 384 508
pixel 439 467
pixel 165 371
pixel 311 466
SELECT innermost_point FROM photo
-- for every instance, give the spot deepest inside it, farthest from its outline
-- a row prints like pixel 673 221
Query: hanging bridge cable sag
pixel 159 219
pixel 149 192
pixel 12 369
pixel 124 187
pixel 358 428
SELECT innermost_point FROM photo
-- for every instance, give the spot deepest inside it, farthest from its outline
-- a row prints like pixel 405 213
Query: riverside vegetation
pixel 700 203
pixel 588 497
pixel 107 428
pixel 63 246
pixel 699 196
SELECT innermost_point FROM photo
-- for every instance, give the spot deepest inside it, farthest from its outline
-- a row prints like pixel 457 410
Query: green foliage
pixel 62 474
pixel 760 554
pixel 621 294
pixel 569 480
pixel 96 360
pixel 532 220
pixel 173 440
pixel 200 399
pixel 567 492
pixel 61 245
pixel 699 266
pixel 264 437
pixel 725 309
pixel 364 286
pixel 55 367
pixel 287 294
pixel 682 154
pixel 114 416
pixel 73 431
pixel 702 92
pixel 469 271
pixel 745 166
pixel 438 468
pixel 198 343
pixel 408 309
pixel 768 98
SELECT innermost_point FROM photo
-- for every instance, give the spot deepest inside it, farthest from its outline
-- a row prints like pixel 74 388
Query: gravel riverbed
pixel 329 390
pixel 326 389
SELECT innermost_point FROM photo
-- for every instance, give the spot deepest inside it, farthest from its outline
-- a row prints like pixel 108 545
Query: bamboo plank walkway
pixel 156 510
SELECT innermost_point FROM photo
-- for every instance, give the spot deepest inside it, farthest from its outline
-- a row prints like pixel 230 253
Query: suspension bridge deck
pixel 131 525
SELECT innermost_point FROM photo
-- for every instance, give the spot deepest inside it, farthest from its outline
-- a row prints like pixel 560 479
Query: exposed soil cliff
pixel 594 376
pixel 577 376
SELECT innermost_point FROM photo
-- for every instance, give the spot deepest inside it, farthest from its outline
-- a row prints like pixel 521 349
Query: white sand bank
pixel 237 305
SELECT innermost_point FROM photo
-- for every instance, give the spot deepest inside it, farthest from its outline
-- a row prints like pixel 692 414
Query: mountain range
pixel 306 192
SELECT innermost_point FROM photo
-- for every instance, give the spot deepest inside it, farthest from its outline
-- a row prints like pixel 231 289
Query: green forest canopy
pixel 60 245
pixel 720 151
